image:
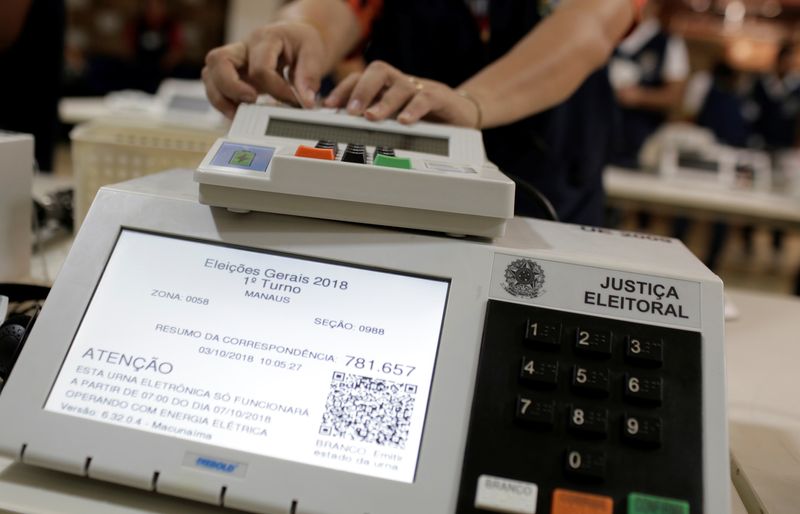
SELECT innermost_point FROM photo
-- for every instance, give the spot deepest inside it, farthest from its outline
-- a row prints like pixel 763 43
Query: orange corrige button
pixel 314 153
pixel 573 502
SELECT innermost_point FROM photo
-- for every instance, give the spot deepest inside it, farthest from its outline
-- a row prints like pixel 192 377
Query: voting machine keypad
pixel 576 413
pixel 353 153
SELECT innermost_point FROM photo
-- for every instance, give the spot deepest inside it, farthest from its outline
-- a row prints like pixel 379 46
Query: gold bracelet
pixel 465 94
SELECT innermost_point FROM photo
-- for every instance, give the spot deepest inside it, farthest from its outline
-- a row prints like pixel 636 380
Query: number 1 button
pixel 546 333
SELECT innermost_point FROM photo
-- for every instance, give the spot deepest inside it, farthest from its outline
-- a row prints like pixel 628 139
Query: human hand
pixel 382 91
pixel 238 72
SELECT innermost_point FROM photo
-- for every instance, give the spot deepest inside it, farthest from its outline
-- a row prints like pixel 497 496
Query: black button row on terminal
pixel 355 153
pixel 590 381
pixel 589 422
pixel 595 343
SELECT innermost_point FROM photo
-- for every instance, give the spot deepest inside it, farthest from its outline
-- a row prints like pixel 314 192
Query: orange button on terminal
pixel 314 153
pixel 573 502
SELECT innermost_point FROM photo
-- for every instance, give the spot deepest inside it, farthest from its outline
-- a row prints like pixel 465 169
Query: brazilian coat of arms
pixel 524 278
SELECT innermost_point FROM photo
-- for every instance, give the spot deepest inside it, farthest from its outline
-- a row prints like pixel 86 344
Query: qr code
pixel 368 409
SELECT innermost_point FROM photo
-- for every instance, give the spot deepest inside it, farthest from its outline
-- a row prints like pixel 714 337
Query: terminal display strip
pixel 582 410
pixel 328 164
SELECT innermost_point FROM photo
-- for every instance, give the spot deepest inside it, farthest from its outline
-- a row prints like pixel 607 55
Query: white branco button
pixel 504 495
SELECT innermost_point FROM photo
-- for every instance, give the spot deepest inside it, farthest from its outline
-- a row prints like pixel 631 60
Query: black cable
pixel 537 196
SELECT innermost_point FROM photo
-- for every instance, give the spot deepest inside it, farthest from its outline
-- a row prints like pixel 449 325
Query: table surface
pixel 74 110
pixel 763 349
pixel 704 198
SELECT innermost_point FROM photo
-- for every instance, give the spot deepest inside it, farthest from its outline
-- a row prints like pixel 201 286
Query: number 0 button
pixel 585 464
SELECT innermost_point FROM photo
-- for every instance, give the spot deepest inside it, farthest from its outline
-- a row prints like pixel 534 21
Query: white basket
pixel 106 151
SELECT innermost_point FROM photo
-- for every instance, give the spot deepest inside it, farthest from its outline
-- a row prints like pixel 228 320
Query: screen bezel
pixel 265 251
pixel 167 204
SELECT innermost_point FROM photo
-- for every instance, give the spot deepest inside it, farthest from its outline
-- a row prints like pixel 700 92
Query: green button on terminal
pixel 645 504
pixel 392 162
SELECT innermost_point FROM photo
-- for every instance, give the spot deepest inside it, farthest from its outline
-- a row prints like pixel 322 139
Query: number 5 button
pixel 590 381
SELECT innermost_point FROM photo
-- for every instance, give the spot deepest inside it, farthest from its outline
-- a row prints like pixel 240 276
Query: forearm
pixel 334 20
pixel 549 63
pixel 663 98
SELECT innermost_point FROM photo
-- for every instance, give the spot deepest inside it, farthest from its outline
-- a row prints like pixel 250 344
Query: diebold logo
pixel 216 465
pixel 524 278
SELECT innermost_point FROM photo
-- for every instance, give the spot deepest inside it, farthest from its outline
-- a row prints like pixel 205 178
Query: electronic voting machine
pixel 291 364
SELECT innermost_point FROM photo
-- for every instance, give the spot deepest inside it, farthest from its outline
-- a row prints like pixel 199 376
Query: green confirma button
pixel 646 504
pixel 392 162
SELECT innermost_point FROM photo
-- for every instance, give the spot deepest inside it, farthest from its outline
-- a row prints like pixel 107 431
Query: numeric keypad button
pixel 593 343
pixel 587 421
pixel 355 153
pixel 534 411
pixel 585 464
pixel 590 381
pixel 641 430
pixel 539 372
pixel 545 333
pixel 644 351
pixel 643 390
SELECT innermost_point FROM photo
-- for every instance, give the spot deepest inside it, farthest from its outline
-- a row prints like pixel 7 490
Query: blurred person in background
pixel 774 106
pixel 716 101
pixel 649 71
pixel 155 40
pixel 31 60
pixel 773 109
